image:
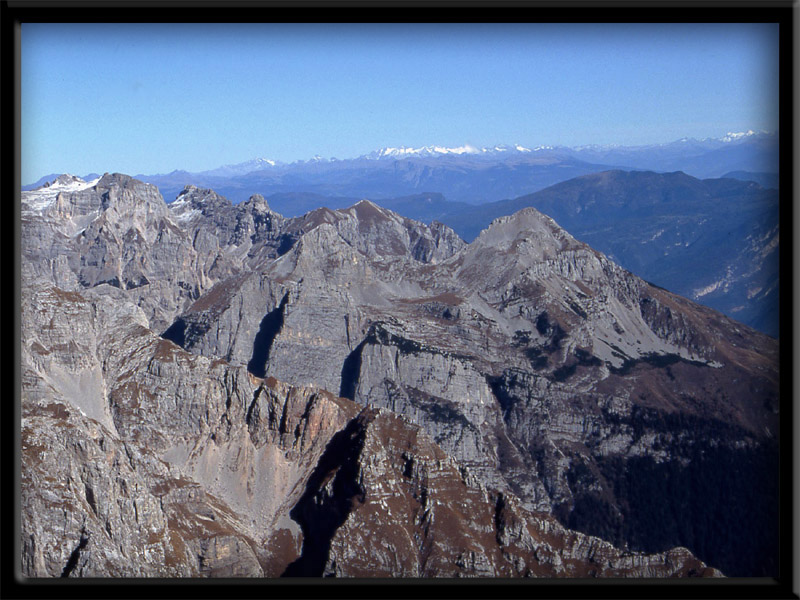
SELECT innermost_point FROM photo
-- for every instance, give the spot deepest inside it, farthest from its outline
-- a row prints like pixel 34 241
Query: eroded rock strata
pixel 215 390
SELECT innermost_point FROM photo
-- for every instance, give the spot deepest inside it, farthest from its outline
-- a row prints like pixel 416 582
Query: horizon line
pixel 442 150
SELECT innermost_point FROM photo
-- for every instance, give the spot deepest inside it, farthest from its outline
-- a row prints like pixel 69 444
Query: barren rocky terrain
pixel 212 389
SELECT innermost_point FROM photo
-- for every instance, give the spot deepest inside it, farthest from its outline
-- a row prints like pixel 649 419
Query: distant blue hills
pixel 472 175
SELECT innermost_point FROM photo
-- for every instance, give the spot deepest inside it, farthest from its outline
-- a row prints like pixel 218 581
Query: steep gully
pixel 268 330
pixel 328 499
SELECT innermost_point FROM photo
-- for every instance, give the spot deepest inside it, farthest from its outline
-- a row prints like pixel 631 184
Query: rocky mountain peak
pixel 64 180
pixel 376 231
pixel 536 232
pixel 109 180
pixel 315 218
pixel 123 194
pixel 368 212
pixel 198 198
pixel 258 203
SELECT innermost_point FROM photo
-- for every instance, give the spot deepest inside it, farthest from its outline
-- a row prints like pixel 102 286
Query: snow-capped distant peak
pixel 42 197
pixel 732 137
pixel 398 152
pixel 403 151
pixel 256 164
pixel 595 147
pixel 466 149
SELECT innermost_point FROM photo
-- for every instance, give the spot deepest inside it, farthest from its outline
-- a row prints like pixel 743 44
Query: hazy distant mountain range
pixel 468 174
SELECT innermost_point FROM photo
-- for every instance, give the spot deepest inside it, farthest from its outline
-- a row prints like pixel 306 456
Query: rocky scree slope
pixel 559 386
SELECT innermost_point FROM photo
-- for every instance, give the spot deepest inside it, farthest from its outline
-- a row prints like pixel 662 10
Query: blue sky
pixel 148 98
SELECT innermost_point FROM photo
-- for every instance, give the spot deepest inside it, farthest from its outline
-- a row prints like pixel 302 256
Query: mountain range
pixel 473 175
pixel 215 389
pixel 466 173
pixel 717 246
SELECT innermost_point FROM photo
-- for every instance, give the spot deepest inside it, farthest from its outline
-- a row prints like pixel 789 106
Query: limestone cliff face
pixel 238 394
pixel 117 232
pixel 169 457
pixel 140 459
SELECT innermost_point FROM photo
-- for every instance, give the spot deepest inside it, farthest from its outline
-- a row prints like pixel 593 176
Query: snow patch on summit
pixel 403 151
pixel 466 149
pixel 41 198
pixel 185 217
pixel 731 136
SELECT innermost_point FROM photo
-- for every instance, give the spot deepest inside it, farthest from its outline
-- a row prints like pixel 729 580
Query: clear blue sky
pixel 148 98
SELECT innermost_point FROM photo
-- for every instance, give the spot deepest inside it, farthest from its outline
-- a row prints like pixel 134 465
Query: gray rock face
pixel 180 465
pixel 333 248
pixel 431 522
pixel 227 237
pixel 511 354
pixel 524 302
pixel 347 376
pixel 117 232
pixel 172 465
pixel 377 232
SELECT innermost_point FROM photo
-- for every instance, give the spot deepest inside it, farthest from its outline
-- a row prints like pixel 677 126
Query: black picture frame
pixel 12 14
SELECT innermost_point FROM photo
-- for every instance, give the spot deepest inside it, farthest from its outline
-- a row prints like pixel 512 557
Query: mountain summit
pixel 715 241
